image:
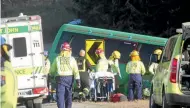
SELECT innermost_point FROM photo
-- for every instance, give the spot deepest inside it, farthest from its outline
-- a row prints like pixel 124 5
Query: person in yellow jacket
pixel 102 64
pixel 114 66
pixel 47 62
pixel 9 89
pixel 64 67
pixel 136 69
pixel 154 65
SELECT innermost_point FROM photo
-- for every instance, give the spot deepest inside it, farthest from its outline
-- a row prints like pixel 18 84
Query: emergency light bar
pixel 21 17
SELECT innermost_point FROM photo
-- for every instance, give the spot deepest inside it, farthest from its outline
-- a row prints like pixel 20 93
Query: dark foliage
pixel 155 17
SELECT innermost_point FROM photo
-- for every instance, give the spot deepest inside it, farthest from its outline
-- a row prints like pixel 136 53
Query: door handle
pixel 31 54
pixel 44 76
pixel 33 77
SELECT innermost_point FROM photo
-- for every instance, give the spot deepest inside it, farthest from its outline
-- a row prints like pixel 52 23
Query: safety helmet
pixel 99 51
pixel 45 53
pixel 116 54
pixel 65 46
pixel 2 40
pixel 158 51
pixel 134 53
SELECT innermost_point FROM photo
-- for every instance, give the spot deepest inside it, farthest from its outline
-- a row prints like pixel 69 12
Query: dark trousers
pixel 84 79
pixel 64 91
pixel 135 82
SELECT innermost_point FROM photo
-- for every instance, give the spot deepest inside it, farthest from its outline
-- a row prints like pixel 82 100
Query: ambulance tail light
pixel 173 74
pixel 42 90
pixel 32 18
pixel 3 79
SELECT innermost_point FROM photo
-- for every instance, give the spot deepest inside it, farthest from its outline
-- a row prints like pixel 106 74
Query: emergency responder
pixel 136 69
pixel 114 67
pixel 47 62
pixel 154 65
pixel 9 90
pixel 102 64
pixel 84 66
pixel 64 68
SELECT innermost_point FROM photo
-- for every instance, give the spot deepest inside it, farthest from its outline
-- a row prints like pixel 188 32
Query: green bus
pixel 114 40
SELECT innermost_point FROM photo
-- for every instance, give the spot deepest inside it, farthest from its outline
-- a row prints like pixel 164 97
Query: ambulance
pixel 24 33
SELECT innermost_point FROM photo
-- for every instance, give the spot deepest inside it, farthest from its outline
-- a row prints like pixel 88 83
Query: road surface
pixel 139 104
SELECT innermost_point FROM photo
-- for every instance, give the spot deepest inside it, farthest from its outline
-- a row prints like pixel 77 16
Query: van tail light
pixel 173 74
pixel 3 80
pixel 42 90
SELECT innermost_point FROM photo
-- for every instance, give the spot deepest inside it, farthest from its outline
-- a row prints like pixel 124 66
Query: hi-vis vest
pixel 102 65
pixel 64 66
pixel 135 67
pixel 81 62
pixel 9 90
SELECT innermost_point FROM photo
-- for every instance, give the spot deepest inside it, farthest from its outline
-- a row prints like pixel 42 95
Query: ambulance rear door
pixel 38 51
pixel 17 35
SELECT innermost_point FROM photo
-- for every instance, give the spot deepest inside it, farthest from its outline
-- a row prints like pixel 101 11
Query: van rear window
pixel 19 47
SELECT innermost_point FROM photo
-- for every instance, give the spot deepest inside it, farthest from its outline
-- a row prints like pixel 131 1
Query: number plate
pixel 24 92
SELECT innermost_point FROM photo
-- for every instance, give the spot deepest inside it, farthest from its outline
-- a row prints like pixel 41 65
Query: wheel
pixel 37 105
pixel 165 104
pixel 152 103
pixel 29 104
pixel 38 102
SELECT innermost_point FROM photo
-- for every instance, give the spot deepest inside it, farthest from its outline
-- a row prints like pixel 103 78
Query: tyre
pixel 152 103
pixel 29 104
pixel 165 104
pixel 37 105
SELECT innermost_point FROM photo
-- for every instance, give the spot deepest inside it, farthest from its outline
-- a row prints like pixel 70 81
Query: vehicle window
pixel 19 47
pixel 77 41
pixel 123 47
pixel 169 49
pixel 145 53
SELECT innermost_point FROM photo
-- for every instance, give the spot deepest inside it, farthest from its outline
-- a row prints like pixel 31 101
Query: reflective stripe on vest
pixel 64 66
pixel 83 66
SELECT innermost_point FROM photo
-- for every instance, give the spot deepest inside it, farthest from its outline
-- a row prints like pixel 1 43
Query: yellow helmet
pixel 134 53
pixel 158 51
pixel 116 54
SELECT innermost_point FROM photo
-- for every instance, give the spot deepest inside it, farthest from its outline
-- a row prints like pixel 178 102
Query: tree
pixel 155 17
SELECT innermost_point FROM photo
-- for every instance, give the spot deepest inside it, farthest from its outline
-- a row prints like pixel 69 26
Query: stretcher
pixel 103 84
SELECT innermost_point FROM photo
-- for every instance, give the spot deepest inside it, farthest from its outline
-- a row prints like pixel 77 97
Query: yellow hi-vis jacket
pixel 102 65
pixel 47 65
pixel 114 66
pixel 9 87
pixel 152 68
pixel 64 66
pixel 135 67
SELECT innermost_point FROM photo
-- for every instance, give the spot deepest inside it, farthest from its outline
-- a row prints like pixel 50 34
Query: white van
pixel 24 33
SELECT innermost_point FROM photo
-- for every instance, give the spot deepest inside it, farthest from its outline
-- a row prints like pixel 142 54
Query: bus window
pixel 145 52
pixel 77 41
pixel 123 47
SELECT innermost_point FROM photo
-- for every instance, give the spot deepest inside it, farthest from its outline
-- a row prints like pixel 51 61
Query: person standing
pixel 65 69
pixel 9 87
pixel 114 67
pixel 154 65
pixel 136 69
pixel 102 63
pixel 84 66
